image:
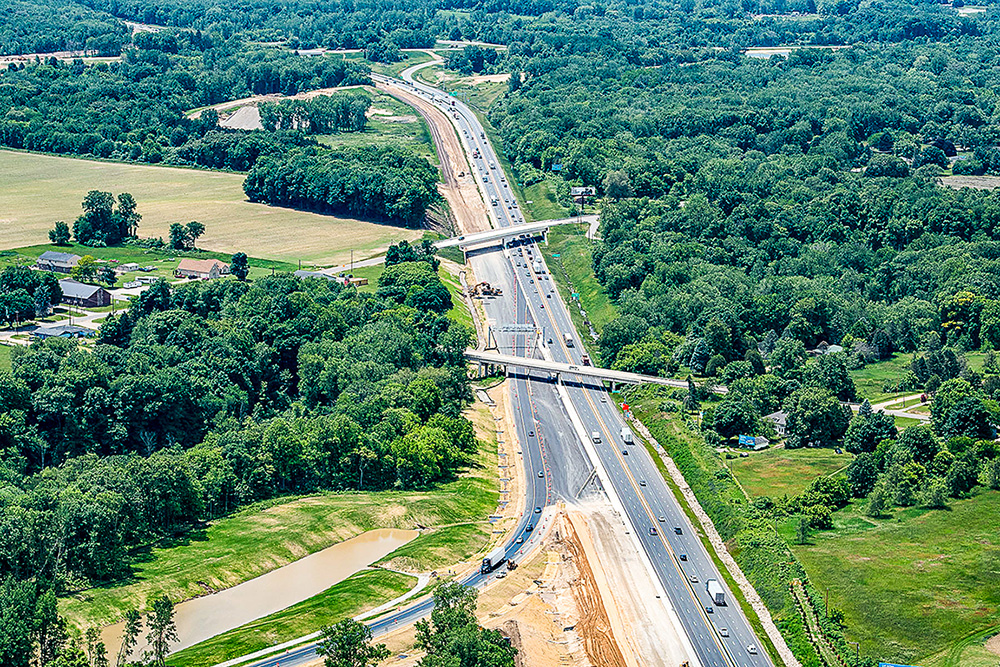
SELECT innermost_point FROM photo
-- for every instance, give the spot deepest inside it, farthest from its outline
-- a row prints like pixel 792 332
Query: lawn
pixel 871 379
pixel 5 351
pixel 568 257
pixel 914 583
pixel 355 595
pixel 390 121
pixel 778 472
pixel 264 537
pixel 40 189
pixel 541 202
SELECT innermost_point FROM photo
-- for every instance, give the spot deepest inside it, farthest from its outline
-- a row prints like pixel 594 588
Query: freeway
pixel 549 419
pixel 721 635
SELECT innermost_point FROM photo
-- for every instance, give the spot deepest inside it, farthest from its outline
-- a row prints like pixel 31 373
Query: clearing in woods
pixel 40 189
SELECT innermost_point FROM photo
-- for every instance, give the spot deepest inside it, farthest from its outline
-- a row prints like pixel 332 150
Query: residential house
pixel 63 331
pixel 201 269
pixel 60 262
pixel 83 295
pixel 780 421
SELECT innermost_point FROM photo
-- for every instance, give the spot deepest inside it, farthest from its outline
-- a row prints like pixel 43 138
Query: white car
pixel 751 649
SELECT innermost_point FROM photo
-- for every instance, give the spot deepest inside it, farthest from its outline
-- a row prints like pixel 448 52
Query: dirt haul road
pixel 460 191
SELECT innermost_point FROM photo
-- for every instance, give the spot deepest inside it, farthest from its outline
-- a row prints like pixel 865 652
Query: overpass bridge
pixel 504 234
pixel 486 360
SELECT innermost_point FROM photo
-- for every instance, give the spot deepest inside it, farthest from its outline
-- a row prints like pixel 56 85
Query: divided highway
pixel 720 634
pixel 555 459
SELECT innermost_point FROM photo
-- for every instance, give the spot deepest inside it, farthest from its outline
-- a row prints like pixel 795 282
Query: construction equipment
pixel 485 289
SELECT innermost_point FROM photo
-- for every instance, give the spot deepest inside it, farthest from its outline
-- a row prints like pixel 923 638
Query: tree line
pixel 387 182
pixel 322 114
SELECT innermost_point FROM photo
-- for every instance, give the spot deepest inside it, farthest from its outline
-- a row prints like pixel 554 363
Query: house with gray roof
pixel 60 262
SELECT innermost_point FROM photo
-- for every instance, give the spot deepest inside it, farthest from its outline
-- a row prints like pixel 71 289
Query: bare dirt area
pixel 551 608
pixel 459 190
pixel 244 118
pixel 645 630
pixel 974 182
pixel 993 645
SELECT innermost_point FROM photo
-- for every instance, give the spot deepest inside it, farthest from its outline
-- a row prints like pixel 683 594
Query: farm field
pixel 40 189
pixel 778 472
pixel 915 581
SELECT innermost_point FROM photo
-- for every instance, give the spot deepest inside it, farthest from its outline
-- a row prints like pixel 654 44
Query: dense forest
pixel 209 396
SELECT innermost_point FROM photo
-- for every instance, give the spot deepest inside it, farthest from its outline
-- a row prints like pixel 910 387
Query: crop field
pixel 777 472
pixel 40 189
pixel 914 582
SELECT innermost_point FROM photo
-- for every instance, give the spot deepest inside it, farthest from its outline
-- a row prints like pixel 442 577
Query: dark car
pixel 677 531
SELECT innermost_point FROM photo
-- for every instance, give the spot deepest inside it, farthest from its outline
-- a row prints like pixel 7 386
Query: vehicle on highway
pixel 652 530
pixel 596 437
pixel 642 482
pixel 493 560
pixel 715 591
pixel 604 399
pixel 693 578
pixel 723 632
pixel 529 528
pixel 662 518
pixel 568 340
pixel 541 474
pixel 751 649
pixel 538 510
pixel 627 436
pixel 531 434
pixel 624 452
pixel 677 531
pixel 709 610
pixel 519 540
pixel 683 557
pixel 501 574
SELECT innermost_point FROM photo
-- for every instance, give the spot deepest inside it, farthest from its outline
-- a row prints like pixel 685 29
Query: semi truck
pixel 715 591
pixel 493 561
pixel 537 266
pixel 627 436
pixel 568 340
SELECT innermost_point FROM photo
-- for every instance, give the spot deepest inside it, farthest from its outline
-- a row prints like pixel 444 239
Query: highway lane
pixel 644 494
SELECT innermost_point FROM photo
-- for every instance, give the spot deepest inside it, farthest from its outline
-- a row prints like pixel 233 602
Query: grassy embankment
pixel 767 564
pixel 871 379
pixel 568 257
pixel 40 189
pixel 264 537
pixel 355 595
pixel 390 121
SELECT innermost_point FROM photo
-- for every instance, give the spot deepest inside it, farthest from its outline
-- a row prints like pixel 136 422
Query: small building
pixel 63 331
pixel 127 268
pixel 201 269
pixel 780 421
pixel 60 262
pixel 357 282
pixel 83 295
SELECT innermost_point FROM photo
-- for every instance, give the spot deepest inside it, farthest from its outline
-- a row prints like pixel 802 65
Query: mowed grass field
pixel 779 472
pixel 40 189
pixel 916 583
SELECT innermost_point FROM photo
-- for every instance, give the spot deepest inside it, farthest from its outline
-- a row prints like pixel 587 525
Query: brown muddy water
pixel 203 617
